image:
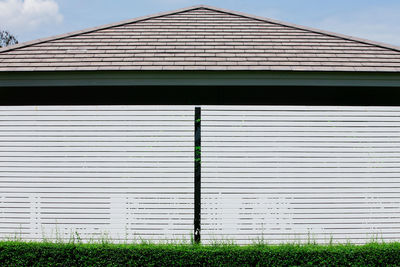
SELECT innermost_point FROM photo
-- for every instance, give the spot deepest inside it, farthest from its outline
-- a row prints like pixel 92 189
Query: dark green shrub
pixel 14 253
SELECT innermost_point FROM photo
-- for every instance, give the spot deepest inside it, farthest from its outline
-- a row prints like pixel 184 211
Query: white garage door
pixel 299 173
pixel 120 172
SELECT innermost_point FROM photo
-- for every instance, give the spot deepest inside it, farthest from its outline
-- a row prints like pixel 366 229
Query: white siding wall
pixel 125 172
pixel 286 173
pixel 278 173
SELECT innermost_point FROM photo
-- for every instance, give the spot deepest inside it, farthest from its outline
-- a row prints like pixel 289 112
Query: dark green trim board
pixel 198 78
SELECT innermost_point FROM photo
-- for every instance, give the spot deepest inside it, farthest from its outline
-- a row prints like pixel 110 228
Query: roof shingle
pixel 201 38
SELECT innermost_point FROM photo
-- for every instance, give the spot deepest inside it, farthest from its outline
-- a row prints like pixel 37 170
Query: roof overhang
pixel 198 78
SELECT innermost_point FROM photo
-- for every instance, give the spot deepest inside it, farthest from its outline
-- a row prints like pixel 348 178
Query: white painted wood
pixel 298 118
pixel 94 123
pixel 272 173
pixel 299 108
pixel 300 173
pixel 93 172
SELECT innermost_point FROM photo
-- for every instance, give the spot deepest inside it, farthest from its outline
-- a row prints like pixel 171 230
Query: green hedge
pixel 14 253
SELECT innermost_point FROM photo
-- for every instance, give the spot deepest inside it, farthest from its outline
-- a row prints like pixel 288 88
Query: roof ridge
pixel 101 27
pixel 306 28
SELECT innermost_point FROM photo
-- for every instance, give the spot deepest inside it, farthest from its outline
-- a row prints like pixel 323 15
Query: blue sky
pixel 377 20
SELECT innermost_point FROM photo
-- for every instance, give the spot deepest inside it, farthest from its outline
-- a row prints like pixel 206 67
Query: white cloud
pixel 378 24
pixel 21 16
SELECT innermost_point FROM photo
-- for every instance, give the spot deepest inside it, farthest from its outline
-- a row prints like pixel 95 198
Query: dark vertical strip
pixel 197 173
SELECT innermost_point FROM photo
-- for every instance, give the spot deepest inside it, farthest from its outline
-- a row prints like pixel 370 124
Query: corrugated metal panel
pixel 299 173
pixel 120 172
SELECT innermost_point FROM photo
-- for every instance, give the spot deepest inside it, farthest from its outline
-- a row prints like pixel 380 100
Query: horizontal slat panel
pixel 93 165
pixel 99 190
pixel 321 210
pixel 299 180
pixel 320 164
pixel 110 185
pixel 84 207
pixel 295 140
pixel 111 122
pixel 97 138
pixel 312 221
pixel 271 117
pixel 214 181
pixel 151 152
pixel 297 133
pixel 299 158
pixel 73 129
pixel 299 172
pixel 100 112
pixel 97 169
pixel 100 180
pixel 231 196
pixel 368 112
pixel 272 232
pixel 298 108
pixel 286 130
pixel 83 107
pixel 316 184
pixel 111 175
pixel 91 133
pixel 98 118
pixel 122 170
pixel 299 190
pixel 307 123
pixel 83 159
pixel 233 150
pixel 372 210
pixel 291 174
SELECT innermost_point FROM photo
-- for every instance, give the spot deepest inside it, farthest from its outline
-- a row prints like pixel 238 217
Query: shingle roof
pixel 201 38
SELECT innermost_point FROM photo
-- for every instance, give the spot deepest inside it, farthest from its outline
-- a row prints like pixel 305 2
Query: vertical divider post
pixel 197 174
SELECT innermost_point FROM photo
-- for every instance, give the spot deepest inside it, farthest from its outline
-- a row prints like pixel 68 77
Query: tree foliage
pixel 6 38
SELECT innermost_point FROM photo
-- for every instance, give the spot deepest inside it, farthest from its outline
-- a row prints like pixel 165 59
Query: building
pixel 300 132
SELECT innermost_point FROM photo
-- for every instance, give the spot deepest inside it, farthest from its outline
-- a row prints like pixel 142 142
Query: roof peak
pixel 201 6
